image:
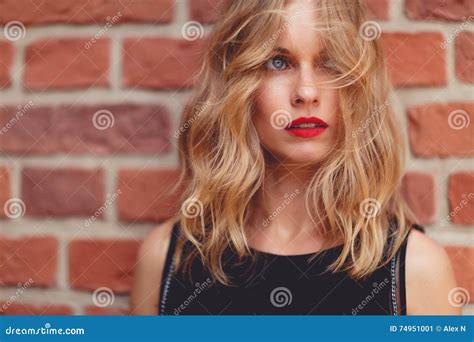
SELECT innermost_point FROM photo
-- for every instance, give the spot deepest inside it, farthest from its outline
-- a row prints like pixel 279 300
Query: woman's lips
pixel 306 132
pixel 317 126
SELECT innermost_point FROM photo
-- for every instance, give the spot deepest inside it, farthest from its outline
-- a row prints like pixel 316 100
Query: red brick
pixel 146 195
pixel 439 9
pixel 462 260
pixel 377 9
pixel 28 257
pixel 74 129
pixel 29 133
pixel 461 197
pixel 66 63
pixel 465 56
pixel 419 192
pixel 432 129
pixel 35 309
pixel 95 310
pixel 86 12
pixel 206 11
pixel 102 263
pixel 161 63
pixel 5 189
pixel 6 61
pixel 415 59
pixel 62 192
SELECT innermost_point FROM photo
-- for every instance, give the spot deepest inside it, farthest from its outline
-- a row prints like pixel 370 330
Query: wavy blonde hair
pixel 223 163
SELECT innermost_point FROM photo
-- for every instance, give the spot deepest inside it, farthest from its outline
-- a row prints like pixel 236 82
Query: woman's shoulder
pixel 149 269
pixel 158 238
pixel 429 276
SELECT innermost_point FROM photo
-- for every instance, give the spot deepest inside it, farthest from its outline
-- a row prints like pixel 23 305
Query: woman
pixel 292 161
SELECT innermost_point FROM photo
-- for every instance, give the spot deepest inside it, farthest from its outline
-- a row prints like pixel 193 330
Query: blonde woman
pixel 292 161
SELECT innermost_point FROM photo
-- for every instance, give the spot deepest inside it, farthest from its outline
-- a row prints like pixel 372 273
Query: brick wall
pixel 90 96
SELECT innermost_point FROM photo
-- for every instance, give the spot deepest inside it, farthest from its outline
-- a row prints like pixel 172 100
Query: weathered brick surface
pixel 461 197
pixel 465 56
pixel 161 63
pixel 23 309
pixel 102 263
pixel 439 9
pixel 32 259
pixel 441 129
pixel 5 191
pixel 79 129
pixel 415 59
pixel 419 192
pixel 146 195
pixel 67 63
pixel 62 192
pixel 85 12
pixel 6 61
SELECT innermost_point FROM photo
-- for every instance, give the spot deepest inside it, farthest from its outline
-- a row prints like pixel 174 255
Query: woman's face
pixel 289 90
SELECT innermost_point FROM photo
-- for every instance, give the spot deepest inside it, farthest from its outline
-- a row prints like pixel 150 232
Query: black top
pixel 283 285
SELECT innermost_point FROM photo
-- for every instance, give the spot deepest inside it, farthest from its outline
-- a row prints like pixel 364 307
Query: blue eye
pixel 276 63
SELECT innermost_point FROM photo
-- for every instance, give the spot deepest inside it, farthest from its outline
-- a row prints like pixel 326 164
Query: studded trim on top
pixel 393 276
pixel 168 271
pixel 394 285
pixel 164 297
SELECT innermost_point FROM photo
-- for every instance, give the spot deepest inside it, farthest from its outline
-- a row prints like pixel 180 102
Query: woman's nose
pixel 305 92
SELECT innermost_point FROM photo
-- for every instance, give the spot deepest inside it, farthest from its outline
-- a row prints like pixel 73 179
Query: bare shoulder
pixel 429 277
pixel 149 269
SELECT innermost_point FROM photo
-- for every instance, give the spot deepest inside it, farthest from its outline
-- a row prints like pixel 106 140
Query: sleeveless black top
pixel 283 285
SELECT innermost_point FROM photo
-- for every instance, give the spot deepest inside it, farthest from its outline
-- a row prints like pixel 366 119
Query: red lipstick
pixel 307 127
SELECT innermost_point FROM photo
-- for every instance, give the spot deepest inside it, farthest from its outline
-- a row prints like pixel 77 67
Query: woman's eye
pixel 280 63
pixel 328 63
pixel 276 63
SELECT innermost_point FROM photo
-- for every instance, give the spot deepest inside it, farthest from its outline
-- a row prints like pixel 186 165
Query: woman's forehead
pixel 301 31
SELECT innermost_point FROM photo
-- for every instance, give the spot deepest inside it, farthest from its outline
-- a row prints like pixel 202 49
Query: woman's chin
pixel 302 156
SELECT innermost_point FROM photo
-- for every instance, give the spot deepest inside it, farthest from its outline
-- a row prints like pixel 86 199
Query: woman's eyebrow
pixel 284 51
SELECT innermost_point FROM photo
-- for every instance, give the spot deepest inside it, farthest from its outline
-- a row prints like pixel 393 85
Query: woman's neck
pixel 280 222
